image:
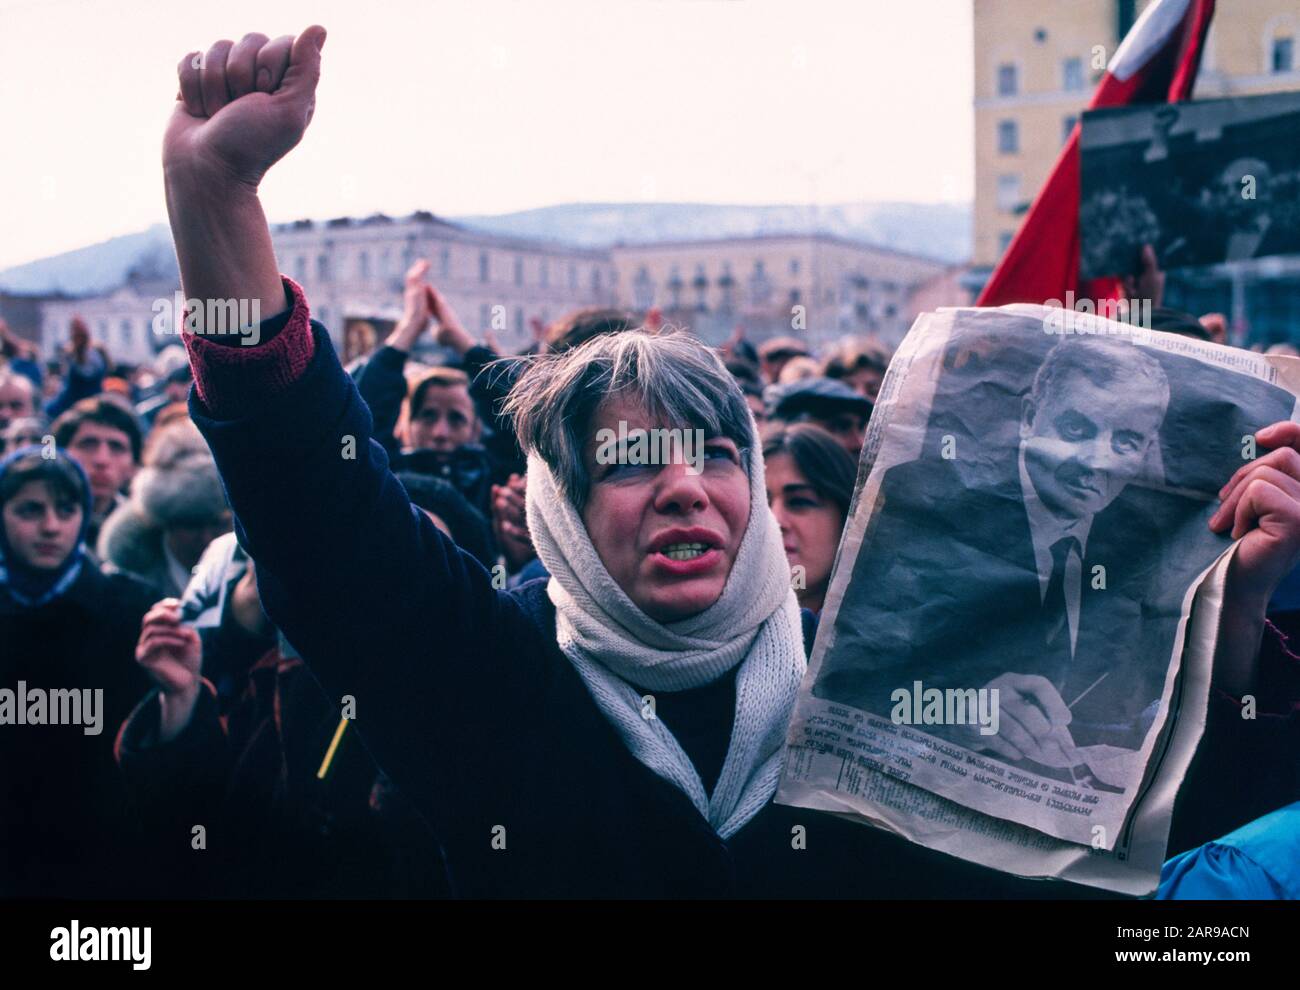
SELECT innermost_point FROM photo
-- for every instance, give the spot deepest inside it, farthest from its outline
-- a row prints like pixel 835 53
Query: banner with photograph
pixel 1203 182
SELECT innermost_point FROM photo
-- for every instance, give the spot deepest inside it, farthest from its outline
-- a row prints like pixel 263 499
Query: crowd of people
pixel 134 559
pixel 387 628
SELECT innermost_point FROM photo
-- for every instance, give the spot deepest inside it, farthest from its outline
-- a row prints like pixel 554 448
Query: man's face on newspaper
pixel 1083 443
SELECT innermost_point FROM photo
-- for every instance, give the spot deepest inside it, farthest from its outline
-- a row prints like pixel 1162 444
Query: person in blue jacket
pixel 1259 861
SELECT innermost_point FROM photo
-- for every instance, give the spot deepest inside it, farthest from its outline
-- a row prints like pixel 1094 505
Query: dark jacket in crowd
pixel 490 384
pixel 466 702
pixel 273 827
pixel 248 767
pixel 82 379
pixel 66 829
pixel 382 383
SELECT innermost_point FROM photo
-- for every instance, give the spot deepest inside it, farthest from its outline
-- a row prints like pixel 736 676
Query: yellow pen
pixel 334 747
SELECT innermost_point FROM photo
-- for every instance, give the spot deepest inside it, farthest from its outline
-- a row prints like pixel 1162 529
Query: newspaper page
pixel 1013 663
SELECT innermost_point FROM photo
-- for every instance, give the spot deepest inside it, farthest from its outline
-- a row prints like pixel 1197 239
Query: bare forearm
pixel 404 335
pixel 1241 630
pixel 223 243
pixel 175 710
pixel 457 338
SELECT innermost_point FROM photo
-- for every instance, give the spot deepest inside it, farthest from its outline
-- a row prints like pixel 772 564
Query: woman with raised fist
pixel 617 729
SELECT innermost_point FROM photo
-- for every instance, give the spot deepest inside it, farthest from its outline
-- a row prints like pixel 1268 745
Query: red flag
pixel 1156 63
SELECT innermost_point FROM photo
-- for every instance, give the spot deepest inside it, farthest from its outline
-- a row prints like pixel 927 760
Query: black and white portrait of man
pixel 1088 428
pixel 1030 562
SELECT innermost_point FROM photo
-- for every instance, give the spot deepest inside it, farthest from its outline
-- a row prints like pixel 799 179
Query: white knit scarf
pixel 610 642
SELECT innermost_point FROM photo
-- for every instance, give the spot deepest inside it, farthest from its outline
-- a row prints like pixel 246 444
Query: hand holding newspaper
pixel 1013 664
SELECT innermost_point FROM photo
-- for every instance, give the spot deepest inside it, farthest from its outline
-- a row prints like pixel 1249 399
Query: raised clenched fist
pixel 242 107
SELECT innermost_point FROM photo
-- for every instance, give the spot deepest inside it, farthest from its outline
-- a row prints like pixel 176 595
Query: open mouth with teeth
pixel 684 551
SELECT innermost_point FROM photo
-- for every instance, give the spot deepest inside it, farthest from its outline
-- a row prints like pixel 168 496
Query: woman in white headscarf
pixel 616 729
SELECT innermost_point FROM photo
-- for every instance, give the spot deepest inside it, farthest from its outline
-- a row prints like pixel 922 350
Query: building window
pixel 846 288
pixel 323 268
pixel 519 271
pixel 1284 54
pixel 301 268
pixel 519 322
pixel 1067 126
pixel 124 333
pixel 794 297
pixel 546 272
pixel 1004 241
pixel 595 282
pixel 1125 16
pixel 1008 192
pixel 727 283
pixel 643 289
pixel 573 277
pixel 760 286
pixel 700 283
pixel 482 266
pixel 1008 80
pixel 363 264
pixel 484 315
pixel 1072 74
pixel 675 284
pixel 384 268
pixel 444 262
pixel 1008 137
pixel 794 266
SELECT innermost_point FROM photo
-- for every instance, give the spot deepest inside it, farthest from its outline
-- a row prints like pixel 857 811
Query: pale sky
pixel 498 105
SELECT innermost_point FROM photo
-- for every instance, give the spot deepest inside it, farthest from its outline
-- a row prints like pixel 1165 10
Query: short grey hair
pixel 675 376
pixel 1105 363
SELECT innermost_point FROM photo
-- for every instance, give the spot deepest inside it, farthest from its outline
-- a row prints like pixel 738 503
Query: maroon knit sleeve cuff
pixel 1279 677
pixel 231 377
